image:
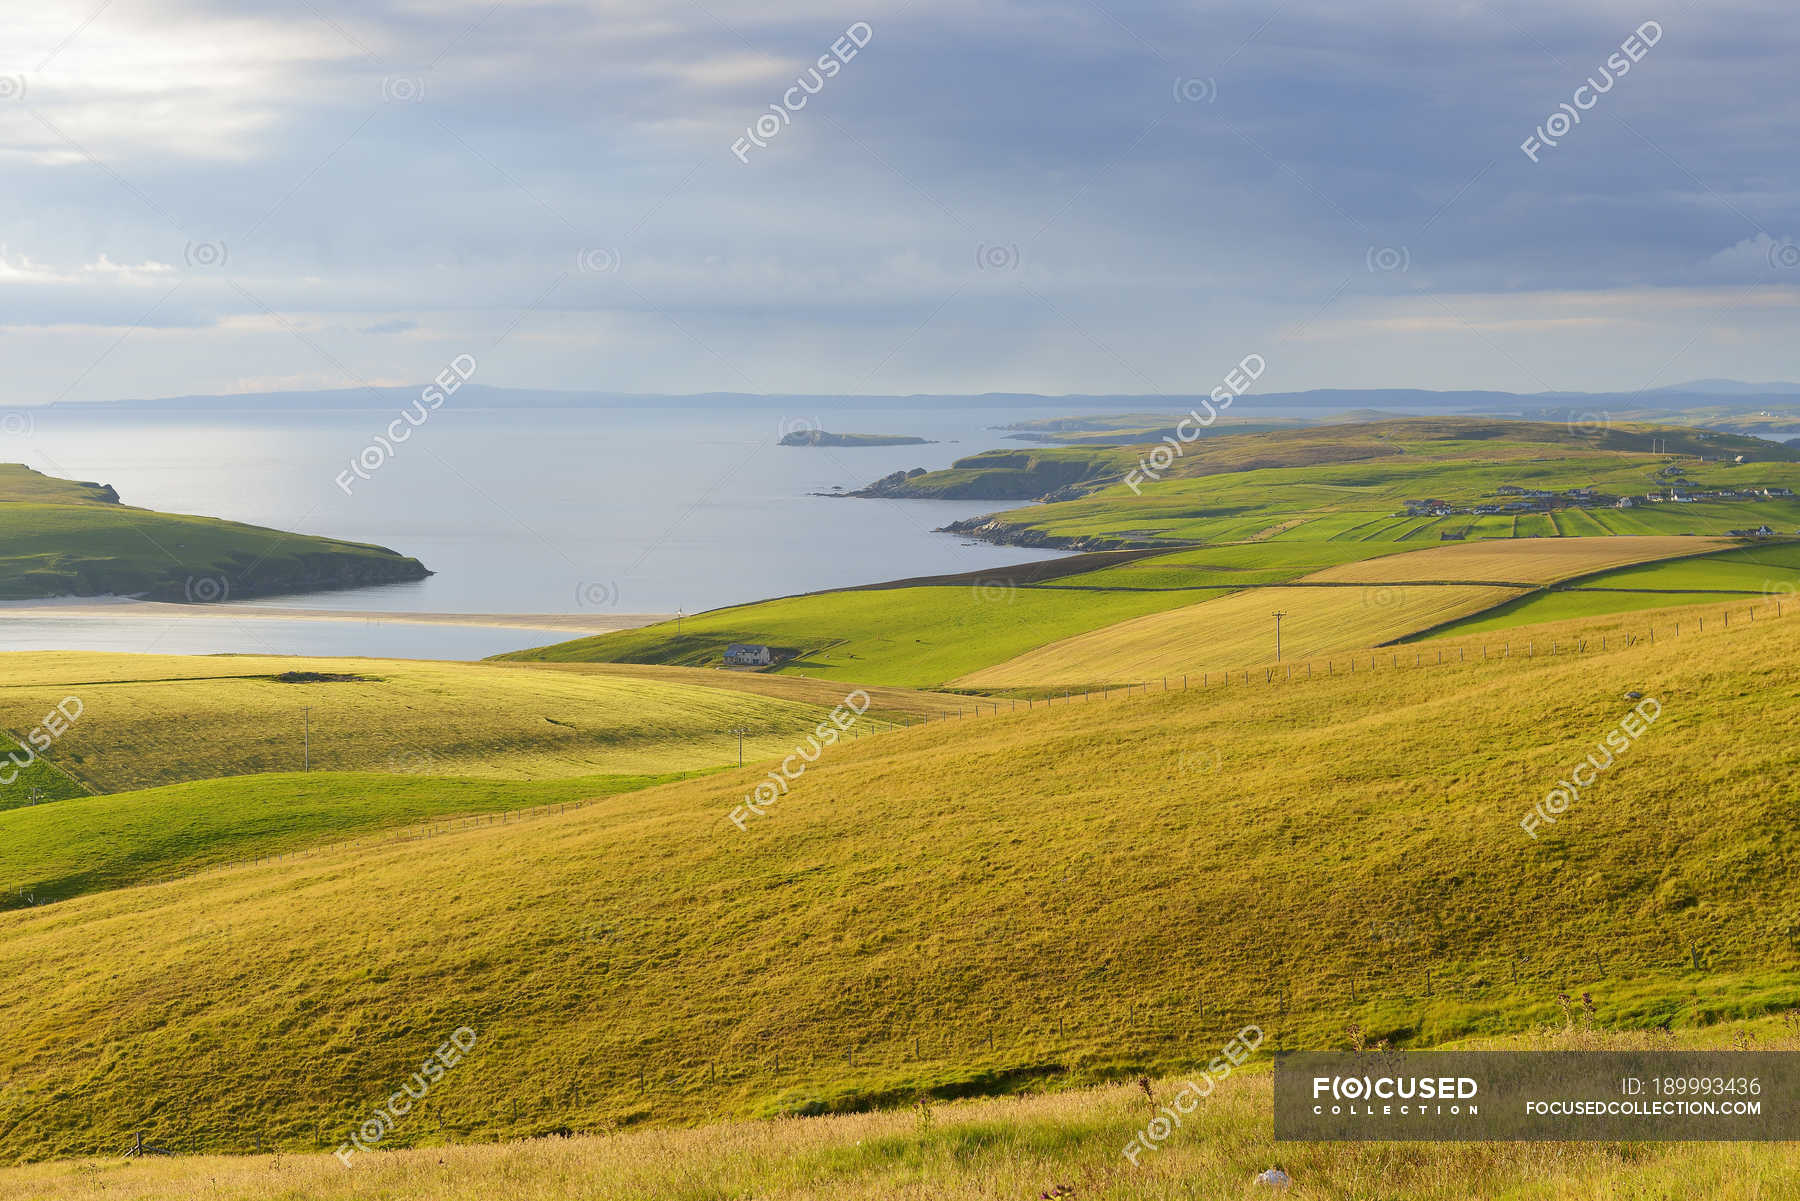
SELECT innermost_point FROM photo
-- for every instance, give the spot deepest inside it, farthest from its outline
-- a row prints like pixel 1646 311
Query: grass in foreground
pixel 1072 893
pixel 50 853
pixel 979 1150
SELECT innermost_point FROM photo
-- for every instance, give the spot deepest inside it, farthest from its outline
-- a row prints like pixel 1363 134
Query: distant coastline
pixel 813 437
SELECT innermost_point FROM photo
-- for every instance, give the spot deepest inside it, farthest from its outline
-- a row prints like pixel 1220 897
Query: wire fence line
pixel 1388 657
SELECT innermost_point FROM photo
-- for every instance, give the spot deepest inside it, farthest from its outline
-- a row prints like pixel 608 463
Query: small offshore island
pixel 65 538
pixel 810 437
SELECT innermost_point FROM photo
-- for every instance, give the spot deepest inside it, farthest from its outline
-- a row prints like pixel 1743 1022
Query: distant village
pixel 1675 490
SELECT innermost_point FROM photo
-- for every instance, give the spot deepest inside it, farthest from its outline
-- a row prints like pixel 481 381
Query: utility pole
pixel 677 621
pixel 1278 617
pixel 740 737
pixel 306 745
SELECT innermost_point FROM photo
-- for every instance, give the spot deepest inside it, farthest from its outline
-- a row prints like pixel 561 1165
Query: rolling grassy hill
pixel 158 719
pixel 49 853
pixel 1065 893
pixel 63 538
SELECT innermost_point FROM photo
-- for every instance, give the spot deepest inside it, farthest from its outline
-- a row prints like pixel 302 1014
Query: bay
pixel 623 509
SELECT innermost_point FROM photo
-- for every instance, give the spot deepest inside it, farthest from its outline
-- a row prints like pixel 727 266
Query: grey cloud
pixel 1339 140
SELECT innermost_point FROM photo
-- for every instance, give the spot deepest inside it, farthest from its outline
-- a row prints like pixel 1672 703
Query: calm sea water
pixel 539 511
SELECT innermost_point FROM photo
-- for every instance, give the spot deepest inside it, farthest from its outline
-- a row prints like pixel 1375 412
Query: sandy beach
pixel 574 623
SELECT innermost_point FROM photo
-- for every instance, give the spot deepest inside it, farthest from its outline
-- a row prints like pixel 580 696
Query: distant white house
pixel 748 654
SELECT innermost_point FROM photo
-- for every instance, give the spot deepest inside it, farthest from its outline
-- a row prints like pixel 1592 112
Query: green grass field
pixel 1072 893
pixel 1332 483
pixel 1238 566
pixel 912 637
pixel 1242 506
pixel 51 852
pixel 36 781
pixel 1757 573
pixel 62 538
pixel 1754 570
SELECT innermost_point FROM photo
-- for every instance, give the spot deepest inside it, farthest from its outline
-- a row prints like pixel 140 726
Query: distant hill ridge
pixel 1415 399
pixel 1072 471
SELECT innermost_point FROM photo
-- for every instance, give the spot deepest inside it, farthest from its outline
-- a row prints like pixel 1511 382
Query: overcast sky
pixel 1047 197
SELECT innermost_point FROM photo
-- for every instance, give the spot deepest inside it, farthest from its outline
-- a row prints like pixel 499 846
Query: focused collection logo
pixel 1393 1096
